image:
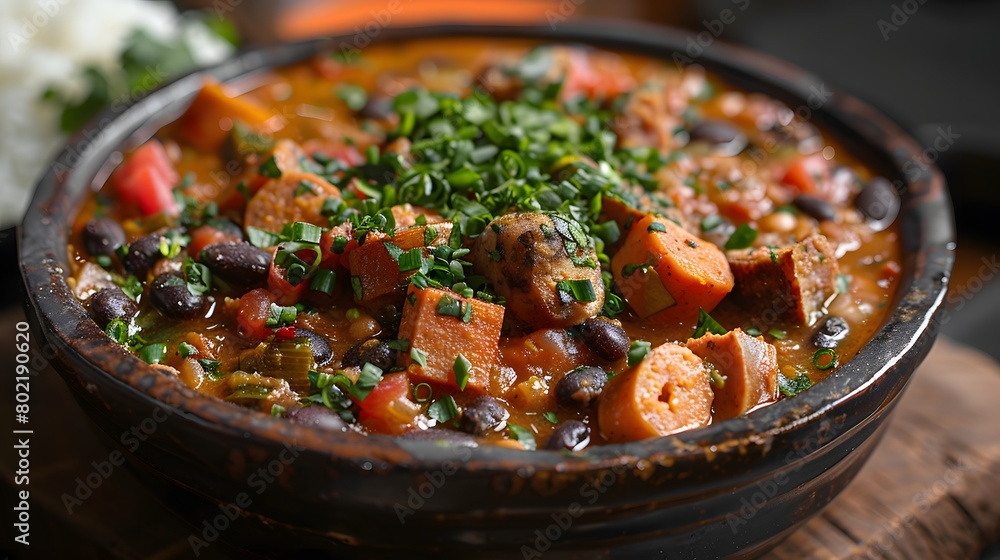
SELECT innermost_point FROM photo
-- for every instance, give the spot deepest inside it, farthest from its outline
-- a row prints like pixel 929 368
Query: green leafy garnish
pixel 743 237
pixel 792 387
pixel 443 409
pixel 576 290
pixel 637 351
pixel 280 316
pixel 461 368
pixel 706 324
pixel 523 435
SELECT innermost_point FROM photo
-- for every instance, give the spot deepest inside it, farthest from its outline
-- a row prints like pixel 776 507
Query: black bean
pixel 237 263
pixel 318 345
pixel 580 387
pixel 317 415
pixel 831 332
pixel 605 338
pixel 438 436
pixel 378 107
pixel 879 202
pixel 725 138
pixel 482 416
pixel 571 434
pixel 109 304
pixel 101 236
pixel 371 351
pixel 169 293
pixel 142 255
pixel 814 207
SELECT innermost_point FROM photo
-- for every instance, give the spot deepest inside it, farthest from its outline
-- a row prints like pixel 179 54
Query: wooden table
pixel 931 489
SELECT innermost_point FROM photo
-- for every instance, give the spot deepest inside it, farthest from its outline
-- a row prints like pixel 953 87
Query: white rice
pixel 46 42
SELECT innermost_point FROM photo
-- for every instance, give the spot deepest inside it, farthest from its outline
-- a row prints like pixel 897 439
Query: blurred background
pixel 928 64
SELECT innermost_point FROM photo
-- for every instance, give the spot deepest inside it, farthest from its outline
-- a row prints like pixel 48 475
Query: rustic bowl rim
pixel 928 227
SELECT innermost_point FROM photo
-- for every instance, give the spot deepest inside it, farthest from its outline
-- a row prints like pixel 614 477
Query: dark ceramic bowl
pixel 732 489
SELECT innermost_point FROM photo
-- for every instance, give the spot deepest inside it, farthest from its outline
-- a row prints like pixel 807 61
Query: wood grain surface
pixel 932 488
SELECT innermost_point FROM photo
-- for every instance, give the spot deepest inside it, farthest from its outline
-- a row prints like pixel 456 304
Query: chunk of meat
pixel 748 367
pixel 441 337
pixel 532 260
pixel 379 279
pixel 791 283
pixel 293 197
pixel 665 272
pixel 666 393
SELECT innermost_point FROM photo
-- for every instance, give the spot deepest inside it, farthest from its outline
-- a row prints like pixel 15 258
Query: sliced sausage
pixel 667 392
pixel 748 367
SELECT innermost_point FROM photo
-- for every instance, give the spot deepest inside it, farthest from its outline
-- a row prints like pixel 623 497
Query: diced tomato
pixel 808 174
pixel 388 408
pixel 147 179
pixel 582 78
pixel 353 187
pixel 283 291
pixel 252 314
pixel 330 259
pixel 206 236
pixel 285 333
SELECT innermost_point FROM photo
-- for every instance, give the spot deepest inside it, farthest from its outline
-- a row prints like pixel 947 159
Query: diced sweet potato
pixel 792 283
pixel 210 117
pixel 406 215
pixel 748 367
pixel 379 278
pixel 666 273
pixel 293 197
pixel 623 215
pixel 441 338
pixel 667 392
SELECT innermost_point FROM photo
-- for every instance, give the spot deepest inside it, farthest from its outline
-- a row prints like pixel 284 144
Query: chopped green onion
pixel 359 292
pixel 792 387
pixel 269 168
pixel 261 238
pixel 418 356
pixel 280 316
pixel 461 368
pixel 422 392
pixel 777 333
pixel 579 290
pixel 411 260
pixel 304 232
pixel 551 416
pixel 185 350
pixel 153 353
pixel 353 314
pixel 825 358
pixel 369 378
pixel 843 283
pixel 523 435
pixel 656 227
pixel 743 237
pixel 706 324
pixel 323 281
pixel 637 351
pixel 277 410
pixel 443 410
pixel 354 96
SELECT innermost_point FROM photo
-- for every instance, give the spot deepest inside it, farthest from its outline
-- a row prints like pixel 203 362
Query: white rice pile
pixel 47 42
